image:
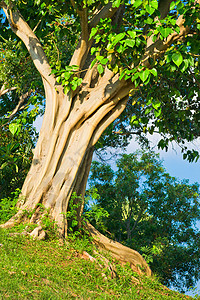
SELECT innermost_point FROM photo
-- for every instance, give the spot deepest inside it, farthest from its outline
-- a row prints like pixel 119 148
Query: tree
pixel 145 208
pixel 120 48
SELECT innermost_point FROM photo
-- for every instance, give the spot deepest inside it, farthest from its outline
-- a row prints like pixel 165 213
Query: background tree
pixel 15 159
pixel 121 47
pixel 143 207
pixel 18 110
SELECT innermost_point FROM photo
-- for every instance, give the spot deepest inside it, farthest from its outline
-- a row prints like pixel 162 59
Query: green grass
pixel 32 269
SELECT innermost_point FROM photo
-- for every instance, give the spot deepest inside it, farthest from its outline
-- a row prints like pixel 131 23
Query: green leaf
pixel 127 77
pixel 154 72
pixel 156 105
pixel 122 74
pixel 150 9
pixel 185 156
pixel 136 3
pixel 58 79
pixel 99 57
pixel 66 89
pixel 115 69
pixel 165 31
pixel 154 4
pixel 93 63
pixel 135 76
pixel 120 49
pixel 104 61
pixel 100 69
pixel 149 21
pixel 177 58
pixel 132 34
pixel 118 38
pixel 93 50
pixel 79 81
pixel 157 113
pixel 172 5
pixel 144 75
pixel 148 110
pixel 67 75
pixel 74 85
pixel 75 67
pixel 134 121
pixel 116 3
pixel 3 165
pixel 130 43
pixel 13 127
pixel 136 82
pixel 93 32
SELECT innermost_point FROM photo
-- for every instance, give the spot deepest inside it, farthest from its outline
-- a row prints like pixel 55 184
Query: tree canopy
pixel 154 45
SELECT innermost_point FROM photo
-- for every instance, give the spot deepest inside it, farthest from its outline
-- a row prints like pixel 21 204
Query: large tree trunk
pixel 63 154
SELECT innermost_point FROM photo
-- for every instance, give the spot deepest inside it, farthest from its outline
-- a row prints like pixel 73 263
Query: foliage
pixel 161 101
pixel 75 227
pixel 15 158
pixel 151 212
pixel 8 206
pixel 50 270
pixel 92 211
pixel 72 214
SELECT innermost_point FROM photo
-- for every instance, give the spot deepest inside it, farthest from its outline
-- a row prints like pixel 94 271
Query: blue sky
pixel 173 160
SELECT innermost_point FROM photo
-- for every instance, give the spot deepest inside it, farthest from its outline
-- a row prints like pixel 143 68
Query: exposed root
pixel 38 233
pixel 120 252
pixel 102 262
pixel 16 219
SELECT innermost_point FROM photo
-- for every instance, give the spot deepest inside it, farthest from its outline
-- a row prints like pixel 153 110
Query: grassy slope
pixel 48 270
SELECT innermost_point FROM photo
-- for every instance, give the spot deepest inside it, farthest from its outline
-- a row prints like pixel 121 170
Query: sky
pixel 173 163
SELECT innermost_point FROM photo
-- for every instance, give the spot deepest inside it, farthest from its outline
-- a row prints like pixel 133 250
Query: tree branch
pixel 106 12
pixel 22 98
pixel 85 44
pixel 137 219
pixel 81 51
pixel 155 49
pixel 163 7
pixel 25 33
pixel 196 80
pixel 3 90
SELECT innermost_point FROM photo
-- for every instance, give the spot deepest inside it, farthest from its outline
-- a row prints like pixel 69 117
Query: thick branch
pixel 85 44
pixel 163 7
pixel 113 115
pixel 25 33
pixel 82 50
pixel 154 50
pixel 106 12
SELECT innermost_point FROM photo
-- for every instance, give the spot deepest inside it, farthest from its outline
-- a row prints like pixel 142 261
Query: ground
pixel 52 269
